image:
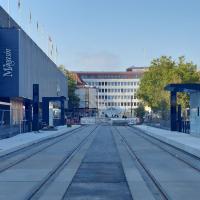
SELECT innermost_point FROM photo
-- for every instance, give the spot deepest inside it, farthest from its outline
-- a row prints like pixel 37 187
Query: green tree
pixel 73 98
pixel 140 112
pixel 161 72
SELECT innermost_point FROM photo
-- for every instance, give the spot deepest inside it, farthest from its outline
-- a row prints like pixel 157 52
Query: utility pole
pixel 131 105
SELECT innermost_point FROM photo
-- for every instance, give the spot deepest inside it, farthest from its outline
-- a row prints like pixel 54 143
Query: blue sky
pixel 109 35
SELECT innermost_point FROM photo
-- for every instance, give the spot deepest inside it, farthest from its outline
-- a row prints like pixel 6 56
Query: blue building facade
pixel 22 64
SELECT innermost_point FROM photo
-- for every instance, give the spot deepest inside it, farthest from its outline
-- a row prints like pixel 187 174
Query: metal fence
pixel 162 120
pixel 12 122
pixel 159 119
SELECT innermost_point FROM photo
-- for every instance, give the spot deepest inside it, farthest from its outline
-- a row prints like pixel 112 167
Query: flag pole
pixel 9 13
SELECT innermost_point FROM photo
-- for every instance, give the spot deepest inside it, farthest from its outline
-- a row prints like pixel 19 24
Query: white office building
pixel 116 90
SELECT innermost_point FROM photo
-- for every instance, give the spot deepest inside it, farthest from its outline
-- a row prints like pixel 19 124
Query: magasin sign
pixel 9 64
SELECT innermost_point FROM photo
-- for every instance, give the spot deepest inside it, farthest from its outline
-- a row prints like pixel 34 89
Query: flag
pixel 30 17
pixel 19 4
pixel 50 40
pixel 37 26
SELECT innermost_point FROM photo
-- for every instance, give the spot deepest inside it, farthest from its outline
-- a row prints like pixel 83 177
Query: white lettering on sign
pixel 9 64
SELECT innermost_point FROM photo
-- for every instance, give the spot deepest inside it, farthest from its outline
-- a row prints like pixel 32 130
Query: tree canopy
pixel 161 72
pixel 73 101
pixel 140 111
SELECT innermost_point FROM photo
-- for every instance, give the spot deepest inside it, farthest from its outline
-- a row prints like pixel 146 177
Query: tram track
pixel 21 150
pixel 155 187
pixel 158 176
pixel 185 157
pixel 7 161
pixel 43 185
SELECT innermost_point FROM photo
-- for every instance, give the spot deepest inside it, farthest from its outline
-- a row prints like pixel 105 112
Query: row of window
pixel 117 97
pixel 112 76
pixel 118 90
pixel 119 104
pixel 135 83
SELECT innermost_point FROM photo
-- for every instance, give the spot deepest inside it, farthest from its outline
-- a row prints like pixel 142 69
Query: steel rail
pixel 175 154
pixel 150 180
pixel 46 181
pixel 13 153
pixel 38 150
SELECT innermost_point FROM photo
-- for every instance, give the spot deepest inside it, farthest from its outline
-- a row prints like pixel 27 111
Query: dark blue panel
pixel 9 62
pixel 35 107
pixel 183 87
pixel 173 111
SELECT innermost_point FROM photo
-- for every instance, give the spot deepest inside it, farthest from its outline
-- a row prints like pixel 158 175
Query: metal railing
pixel 12 122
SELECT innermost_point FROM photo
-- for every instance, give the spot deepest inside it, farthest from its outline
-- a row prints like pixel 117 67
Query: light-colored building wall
pixel 87 96
pixel 115 89
pixel 195 113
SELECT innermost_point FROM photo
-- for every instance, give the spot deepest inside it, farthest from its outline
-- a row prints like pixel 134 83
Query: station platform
pixel 183 141
pixel 23 140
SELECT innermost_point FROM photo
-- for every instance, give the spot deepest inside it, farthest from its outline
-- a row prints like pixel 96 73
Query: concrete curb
pixel 16 148
pixel 187 148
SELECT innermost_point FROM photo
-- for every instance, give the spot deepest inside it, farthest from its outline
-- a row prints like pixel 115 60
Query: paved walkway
pixel 186 142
